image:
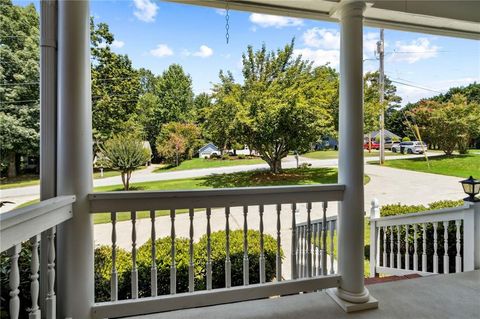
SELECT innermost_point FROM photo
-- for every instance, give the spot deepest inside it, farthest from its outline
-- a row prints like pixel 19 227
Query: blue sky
pixel 156 34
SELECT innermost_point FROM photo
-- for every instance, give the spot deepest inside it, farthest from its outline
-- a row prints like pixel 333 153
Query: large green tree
pixel 168 98
pixel 115 85
pixel 19 88
pixel 281 104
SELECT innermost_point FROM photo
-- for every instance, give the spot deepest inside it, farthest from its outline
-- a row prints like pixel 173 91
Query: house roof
pixel 388 134
pixel 441 17
pixel 211 145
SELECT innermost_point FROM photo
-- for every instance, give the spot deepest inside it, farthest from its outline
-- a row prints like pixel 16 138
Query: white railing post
pixel 476 241
pixel 374 237
pixel 469 240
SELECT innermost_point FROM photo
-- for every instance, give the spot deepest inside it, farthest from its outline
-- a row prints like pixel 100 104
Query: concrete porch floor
pixel 441 296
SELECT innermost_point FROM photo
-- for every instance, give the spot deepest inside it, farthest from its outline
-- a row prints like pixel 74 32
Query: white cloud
pixel 320 56
pixel 204 52
pixel 117 44
pixel 145 10
pixel 162 50
pixel 221 12
pixel 322 38
pixel 414 51
pixel 266 20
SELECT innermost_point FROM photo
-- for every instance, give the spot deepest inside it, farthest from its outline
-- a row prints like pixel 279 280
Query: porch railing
pixel 244 206
pixel 430 242
pixel 315 251
pixel 24 226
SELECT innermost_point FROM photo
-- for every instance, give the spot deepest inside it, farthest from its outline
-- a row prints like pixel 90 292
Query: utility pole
pixel 381 89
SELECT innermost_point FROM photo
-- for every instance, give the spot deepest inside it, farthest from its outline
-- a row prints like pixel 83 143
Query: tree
pixel 168 98
pixel 178 141
pixel 221 117
pixel 451 125
pixel 124 152
pixel 19 88
pixel 115 85
pixel 280 104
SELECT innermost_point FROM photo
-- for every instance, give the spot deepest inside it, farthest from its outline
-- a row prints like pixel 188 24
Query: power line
pixel 93 80
pixel 416 86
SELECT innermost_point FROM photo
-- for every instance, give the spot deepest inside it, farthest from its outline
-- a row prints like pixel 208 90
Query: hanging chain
pixel 227 21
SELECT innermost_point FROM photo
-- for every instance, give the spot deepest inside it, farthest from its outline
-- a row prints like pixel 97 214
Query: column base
pixel 348 306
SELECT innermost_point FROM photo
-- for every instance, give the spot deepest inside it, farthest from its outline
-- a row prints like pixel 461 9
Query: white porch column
pixel 352 291
pixel 74 173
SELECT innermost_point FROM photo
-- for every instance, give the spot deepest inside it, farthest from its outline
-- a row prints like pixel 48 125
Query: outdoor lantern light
pixel 471 187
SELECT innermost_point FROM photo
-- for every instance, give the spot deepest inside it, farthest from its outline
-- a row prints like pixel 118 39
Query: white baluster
pixel 14 281
pixel 51 297
pixel 34 311
pixel 173 265
pixel 191 265
pixel 134 256
pixel 332 243
pixel 153 269
pixel 458 257
pixel 246 266
pixel 435 246
pixel 309 240
pixel 415 248
pixel 228 264
pixel 314 247
pixel 279 245
pixel 424 248
pixel 294 260
pixel 302 251
pixel 392 260
pixel 324 239
pixel 114 277
pixel 262 254
pixel 209 251
pixel 407 253
pixel 384 246
pixel 446 262
pixel 399 245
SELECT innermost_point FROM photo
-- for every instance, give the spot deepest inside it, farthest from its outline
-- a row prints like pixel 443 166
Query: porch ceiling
pixel 440 17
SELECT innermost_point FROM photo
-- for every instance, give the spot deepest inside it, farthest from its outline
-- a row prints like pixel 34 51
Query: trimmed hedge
pixel 398 209
pixel 103 264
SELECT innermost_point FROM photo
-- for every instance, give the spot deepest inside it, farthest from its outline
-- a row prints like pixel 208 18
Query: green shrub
pixel 445 204
pixel 103 273
pixel 225 157
pixel 399 209
pixel 103 264
pixel 218 254
pixel 406 139
pixel 163 260
pixel 241 156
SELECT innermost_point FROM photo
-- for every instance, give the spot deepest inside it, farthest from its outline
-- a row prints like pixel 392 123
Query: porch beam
pixel 350 164
pixel 74 160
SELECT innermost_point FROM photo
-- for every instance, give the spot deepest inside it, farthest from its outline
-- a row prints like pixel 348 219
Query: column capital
pixel 348 9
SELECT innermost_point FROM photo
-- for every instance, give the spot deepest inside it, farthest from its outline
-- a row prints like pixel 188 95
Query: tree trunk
pixel 275 166
pixel 12 165
pixel 125 181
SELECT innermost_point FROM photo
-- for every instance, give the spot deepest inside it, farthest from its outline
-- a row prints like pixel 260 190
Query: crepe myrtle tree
pixel 124 152
pixel 281 107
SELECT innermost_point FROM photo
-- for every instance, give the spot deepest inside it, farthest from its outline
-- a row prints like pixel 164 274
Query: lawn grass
pixel 197 163
pixel 30 180
pixel 331 154
pixel 454 165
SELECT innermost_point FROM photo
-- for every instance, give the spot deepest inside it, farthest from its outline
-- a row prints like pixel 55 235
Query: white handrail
pixel 23 223
pixel 224 197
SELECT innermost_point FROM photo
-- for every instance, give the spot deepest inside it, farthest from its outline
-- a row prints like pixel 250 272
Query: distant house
pixel 207 150
pixel 389 136
pixel 244 151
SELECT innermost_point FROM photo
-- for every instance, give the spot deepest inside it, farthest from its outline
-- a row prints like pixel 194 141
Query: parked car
pixel 375 146
pixel 412 147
